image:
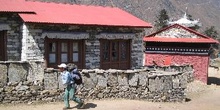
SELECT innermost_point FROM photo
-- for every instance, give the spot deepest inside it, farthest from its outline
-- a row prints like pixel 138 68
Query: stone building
pixel 179 45
pixel 89 36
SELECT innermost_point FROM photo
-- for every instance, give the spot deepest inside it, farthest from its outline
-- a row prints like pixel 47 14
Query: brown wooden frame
pixel 3 45
pixel 81 62
pixel 119 64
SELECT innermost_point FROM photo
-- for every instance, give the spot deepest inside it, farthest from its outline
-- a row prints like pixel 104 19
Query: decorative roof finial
pixel 185 14
pixel 185 21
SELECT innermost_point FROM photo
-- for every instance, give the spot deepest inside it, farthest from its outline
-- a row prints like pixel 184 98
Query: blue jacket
pixel 65 76
pixel 68 78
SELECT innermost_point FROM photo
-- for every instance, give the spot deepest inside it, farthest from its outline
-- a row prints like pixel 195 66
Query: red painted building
pixel 179 45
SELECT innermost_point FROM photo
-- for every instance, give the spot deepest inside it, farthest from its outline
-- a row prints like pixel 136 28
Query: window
pixel 64 51
pixel 75 52
pixel 3 45
pixel 115 54
pixel 52 52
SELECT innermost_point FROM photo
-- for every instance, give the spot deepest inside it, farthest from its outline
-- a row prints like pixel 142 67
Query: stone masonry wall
pixel 177 33
pixel 13 22
pixel 34 35
pixel 92 56
pixel 28 84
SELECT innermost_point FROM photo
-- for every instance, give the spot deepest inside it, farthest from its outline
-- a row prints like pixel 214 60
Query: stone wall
pixel 177 33
pixel 200 63
pixel 92 57
pixel 34 35
pixel 12 24
pixel 161 84
pixel 18 71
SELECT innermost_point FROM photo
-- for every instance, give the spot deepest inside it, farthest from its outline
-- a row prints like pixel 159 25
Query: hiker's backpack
pixel 72 68
pixel 77 81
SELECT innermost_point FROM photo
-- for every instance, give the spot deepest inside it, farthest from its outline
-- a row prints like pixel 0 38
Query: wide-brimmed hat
pixel 63 65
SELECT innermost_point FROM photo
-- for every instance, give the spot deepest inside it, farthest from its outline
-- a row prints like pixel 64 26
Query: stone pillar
pixel 92 53
pixel 137 51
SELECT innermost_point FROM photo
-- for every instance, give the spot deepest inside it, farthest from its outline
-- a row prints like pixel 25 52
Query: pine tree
pixel 211 32
pixel 162 19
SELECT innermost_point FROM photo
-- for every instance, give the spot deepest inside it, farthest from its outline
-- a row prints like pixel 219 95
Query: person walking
pixel 70 87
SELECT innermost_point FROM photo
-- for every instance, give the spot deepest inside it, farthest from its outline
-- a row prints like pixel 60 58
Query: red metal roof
pixel 154 38
pixel 57 13
pixel 14 6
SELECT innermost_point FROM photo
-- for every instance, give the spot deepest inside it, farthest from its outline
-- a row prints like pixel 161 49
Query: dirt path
pixel 202 97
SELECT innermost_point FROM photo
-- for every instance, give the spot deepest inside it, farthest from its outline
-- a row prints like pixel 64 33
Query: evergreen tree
pixel 211 32
pixel 162 19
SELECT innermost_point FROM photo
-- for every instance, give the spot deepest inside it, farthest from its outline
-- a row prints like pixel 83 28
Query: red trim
pixel 182 40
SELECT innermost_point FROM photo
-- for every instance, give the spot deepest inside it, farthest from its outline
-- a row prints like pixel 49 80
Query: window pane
pixel 64 57
pixel 52 47
pixel 75 46
pixel 105 49
pixel 52 58
pixel 114 46
pixel 114 56
pixel 75 57
pixel 64 47
pixel 123 50
pixel 106 56
pixel 106 46
pixel 114 51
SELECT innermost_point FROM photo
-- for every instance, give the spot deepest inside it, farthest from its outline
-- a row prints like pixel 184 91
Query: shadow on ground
pixel 89 105
pixel 213 80
pixel 188 100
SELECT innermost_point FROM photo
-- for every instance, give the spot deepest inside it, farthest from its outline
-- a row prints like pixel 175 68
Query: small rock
pixel 1 90
pixel 28 83
pixel 130 71
pixel 30 103
pixel 164 98
pixel 9 89
pixel 88 71
pixel 22 88
pixel 44 92
pixel 100 95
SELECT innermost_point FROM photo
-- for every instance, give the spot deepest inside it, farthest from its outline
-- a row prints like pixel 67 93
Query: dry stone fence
pixel 29 82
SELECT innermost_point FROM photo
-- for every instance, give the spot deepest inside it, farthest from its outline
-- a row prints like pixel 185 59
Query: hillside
pixel 207 11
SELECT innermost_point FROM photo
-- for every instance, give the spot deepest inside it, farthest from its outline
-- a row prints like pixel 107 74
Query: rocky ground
pixel 199 97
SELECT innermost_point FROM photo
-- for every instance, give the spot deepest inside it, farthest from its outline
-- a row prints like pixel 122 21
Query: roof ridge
pixel 70 4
